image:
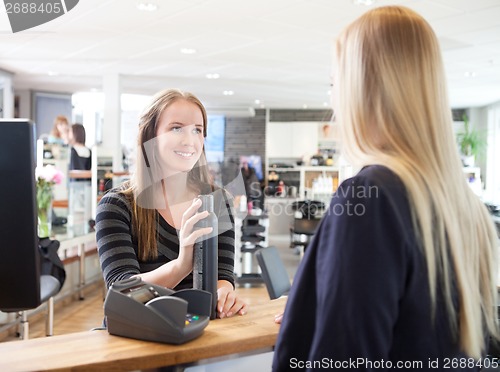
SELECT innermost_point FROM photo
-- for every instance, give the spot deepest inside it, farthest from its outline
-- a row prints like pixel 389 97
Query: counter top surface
pixel 98 350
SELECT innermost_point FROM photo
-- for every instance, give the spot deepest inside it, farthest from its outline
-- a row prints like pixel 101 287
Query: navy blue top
pixel 362 289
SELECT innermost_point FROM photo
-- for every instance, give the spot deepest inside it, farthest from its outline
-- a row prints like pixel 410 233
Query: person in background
pixel 403 266
pixel 80 188
pixel 81 155
pixel 146 228
pixel 252 184
pixel 60 132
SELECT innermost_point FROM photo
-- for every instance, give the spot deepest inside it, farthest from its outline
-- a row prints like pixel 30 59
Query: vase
pixel 45 215
pixel 468 161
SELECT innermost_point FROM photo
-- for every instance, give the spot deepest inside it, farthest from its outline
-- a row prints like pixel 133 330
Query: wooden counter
pixel 98 350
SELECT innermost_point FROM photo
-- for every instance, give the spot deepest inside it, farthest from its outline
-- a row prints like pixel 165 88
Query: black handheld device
pixel 205 261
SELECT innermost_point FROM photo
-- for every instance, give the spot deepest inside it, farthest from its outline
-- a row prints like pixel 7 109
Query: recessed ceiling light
pixel 328 92
pixel 228 93
pixel 52 73
pixel 212 76
pixel 257 101
pixel 188 50
pixel 304 106
pixel 147 7
pixel 469 74
pixel 363 2
pixel 325 104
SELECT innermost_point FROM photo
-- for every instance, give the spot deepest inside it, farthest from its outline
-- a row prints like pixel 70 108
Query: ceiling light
pixel 147 7
pixel 468 74
pixel 304 106
pixel 257 101
pixel 212 76
pixel 363 2
pixel 52 73
pixel 228 92
pixel 188 50
pixel 328 92
pixel 325 104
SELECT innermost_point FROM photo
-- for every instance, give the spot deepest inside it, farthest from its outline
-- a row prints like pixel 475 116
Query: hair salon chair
pixel 49 287
pixel 305 222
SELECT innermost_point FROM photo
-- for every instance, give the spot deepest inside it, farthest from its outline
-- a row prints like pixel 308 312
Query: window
pixel 492 192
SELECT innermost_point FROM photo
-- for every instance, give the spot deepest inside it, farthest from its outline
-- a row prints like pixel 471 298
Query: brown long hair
pixel 145 219
pixel 78 133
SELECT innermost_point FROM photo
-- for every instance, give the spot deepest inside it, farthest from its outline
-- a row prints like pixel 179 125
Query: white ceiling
pixel 275 51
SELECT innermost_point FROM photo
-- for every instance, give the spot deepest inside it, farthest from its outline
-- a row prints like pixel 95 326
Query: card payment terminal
pixel 146 311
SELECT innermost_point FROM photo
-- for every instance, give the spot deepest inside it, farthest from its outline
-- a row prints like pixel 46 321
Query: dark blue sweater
pixel 360 297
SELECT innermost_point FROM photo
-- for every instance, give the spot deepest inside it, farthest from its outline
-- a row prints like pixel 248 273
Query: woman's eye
pixel 197 130
pixel 176 129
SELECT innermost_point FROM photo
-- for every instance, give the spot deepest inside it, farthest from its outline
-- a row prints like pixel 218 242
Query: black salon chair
pixel 49 287
pixel 274 272
pixel 310 209
pixel 305 226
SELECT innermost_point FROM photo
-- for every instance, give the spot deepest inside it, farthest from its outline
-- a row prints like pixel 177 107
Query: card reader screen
pixel 141 293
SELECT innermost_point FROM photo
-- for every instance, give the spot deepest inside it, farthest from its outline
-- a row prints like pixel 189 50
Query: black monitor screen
pixel 19 261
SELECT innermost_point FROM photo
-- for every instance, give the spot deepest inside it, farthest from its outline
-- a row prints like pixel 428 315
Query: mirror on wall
pixel 47 106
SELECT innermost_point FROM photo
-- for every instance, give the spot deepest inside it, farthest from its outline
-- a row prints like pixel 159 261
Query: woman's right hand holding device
pixel 172 273
pixel 188 234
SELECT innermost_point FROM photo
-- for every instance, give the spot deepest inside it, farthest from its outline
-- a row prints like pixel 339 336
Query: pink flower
pixel 49 174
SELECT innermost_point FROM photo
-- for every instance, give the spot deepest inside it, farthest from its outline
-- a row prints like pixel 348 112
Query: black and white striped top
pixel 117 243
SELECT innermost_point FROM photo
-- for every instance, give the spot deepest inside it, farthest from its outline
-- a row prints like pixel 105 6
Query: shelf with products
pixel 283 182
pixel 302 181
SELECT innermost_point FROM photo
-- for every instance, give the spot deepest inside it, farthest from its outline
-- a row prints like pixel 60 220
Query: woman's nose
pixel 188 138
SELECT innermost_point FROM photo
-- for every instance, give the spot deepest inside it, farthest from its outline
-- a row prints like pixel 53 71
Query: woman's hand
pixel 188 235
pixel 278 318
pixel 171 273
pixel 228 302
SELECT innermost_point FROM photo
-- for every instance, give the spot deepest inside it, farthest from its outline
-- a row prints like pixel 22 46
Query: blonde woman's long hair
pixel 145 219
pixel 392 106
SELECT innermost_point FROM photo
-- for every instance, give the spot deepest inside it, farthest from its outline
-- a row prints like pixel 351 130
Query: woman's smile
pixel 184 154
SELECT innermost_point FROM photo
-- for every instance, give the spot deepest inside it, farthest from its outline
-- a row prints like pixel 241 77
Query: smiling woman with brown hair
pixel 146 228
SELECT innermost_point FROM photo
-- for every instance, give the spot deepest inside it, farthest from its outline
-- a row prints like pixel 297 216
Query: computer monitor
pixel 19 258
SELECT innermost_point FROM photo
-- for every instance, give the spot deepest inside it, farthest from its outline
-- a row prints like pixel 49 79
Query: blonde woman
pixel 402 271
pixel 146 228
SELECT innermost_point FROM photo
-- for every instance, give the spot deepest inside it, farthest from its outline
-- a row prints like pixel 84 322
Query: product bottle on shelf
pixel 281 189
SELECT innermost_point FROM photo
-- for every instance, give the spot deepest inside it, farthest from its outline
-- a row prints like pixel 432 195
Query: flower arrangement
pixel 46 178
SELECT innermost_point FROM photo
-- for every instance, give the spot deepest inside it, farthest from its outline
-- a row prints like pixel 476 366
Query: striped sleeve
pixel 226 240
pixel 226 256
pixel 117 255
